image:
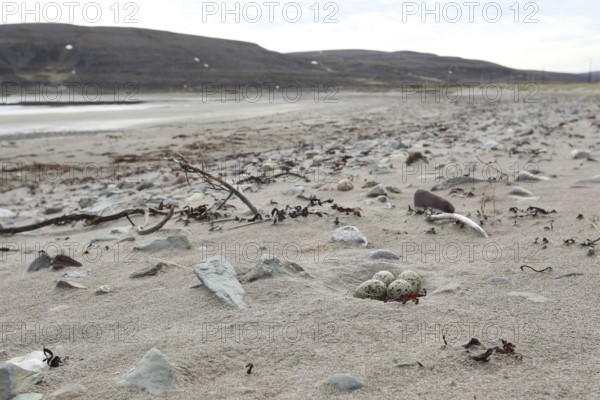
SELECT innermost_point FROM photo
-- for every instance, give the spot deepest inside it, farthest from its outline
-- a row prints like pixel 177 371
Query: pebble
pixel 86 202
pixel 269 266
pixel 104 289
pixel 500 280
pixel 220 277
pixel 152 373
pixel 64 284
pixel 4 213
pixel 15 379
pixel 520 192
pixel 344 185
pixel 29 396
pixel 297 190
pixel 526 176
pixel 42 261
pixel 144 185
pixel 178 241
pixel 423 198
pixel 104 239
pixel 376 191
pixel 67 392
pixel 383 254
pixel 78 274
pixel 99 209
pixel 452 182
pixel 594 179
pixel 149 271
pixel 580 154
pixel 536 298
pixel 344 382
pixel 349 235
pixel 121 229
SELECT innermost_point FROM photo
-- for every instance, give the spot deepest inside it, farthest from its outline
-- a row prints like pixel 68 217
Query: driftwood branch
pixel 90 219
pixel 459 218
pixel 211 179
pixel 157 226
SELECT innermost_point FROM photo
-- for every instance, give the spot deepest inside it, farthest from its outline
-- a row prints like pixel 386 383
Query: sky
pixel 561 36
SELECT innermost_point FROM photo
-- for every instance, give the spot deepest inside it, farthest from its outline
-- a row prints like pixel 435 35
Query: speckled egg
pixel 371 289
pixel 413 278
pixel 398 289
pixel 384 276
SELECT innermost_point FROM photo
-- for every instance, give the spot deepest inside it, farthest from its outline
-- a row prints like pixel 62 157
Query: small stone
pixel 491 145
pixel 86 202
pixel 15 379
pixel 149 271
pixel 178 241
pixel 393 189
pixel 64 284
pixel 580 154
pixel 220 277
pixel 29 396
pixel 536 298
pixel 349 235
pixel 382 199
pixel 383 254
pixel 121 229
pixel 526 176
pixel 500 280
pixel 376 191
pixel 42 261
pixel 104 289
pixel 144 185
pixel 594 179
pixel 4 213
pixel 344 382
pixel 344 185
pixel 78 274
pixel 452 182
pixel 52 210
pixel 152 373
pixel 269 266
pixel 520 192
pixel 67 392
pixel 297 190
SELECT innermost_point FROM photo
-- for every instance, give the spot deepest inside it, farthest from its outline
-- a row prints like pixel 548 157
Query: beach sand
pixel 298 331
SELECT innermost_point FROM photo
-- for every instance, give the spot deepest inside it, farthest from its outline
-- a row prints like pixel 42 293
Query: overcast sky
pixel 551 35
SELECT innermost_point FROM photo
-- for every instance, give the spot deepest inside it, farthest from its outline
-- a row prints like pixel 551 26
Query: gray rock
pixel 594 179
pixel 86 202
pixel 376 191
pixel 269 266
pixel 452 182
pixel 67 392
pixel 383 254
pixel 4 213
pixel 220 277
pixel 78 274
pixel 152 373
pixel 104 289
pixel 500 280
pixel 295 191
pixel 491 145
pixel 349 235
pixel 525 176
pixel 100 208
pixel 29 396
pixel 65 284
pixel 15 379
pixel 178 241
pixel 520 192
pixel 344 382
pixel 580 154
pixel 144 185
pixel 121 229
pixel 536 298
pixel 42 261
pixel 148 271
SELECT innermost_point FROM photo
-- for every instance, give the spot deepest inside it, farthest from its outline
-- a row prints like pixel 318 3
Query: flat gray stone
pixel 520 192
pixel 148 271
pixel 594 179
pixel 344 382
pixel 580 154
pixel 104 289
pixel 376 191
pixel 15 379
pixel 78 274
pixel 29 396
pixel 536 298
pixel 452 182
pixel 269 266
pixel 500 280
pixel 65 284
pixel 349 235
pixel 295 191
pixel 152 373
pixel 525 176
pixel 383 254
pixel 220 277
pixel 178 241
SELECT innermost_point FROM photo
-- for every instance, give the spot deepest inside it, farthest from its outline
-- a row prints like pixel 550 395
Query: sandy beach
pixel 299 330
